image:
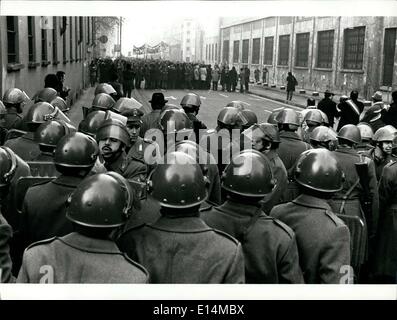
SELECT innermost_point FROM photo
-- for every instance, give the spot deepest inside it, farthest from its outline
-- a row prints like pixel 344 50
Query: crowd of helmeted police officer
pixel 112 201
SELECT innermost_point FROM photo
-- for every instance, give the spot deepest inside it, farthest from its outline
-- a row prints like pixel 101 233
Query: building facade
pixel 192 40
pixel 210 50
pixel 33 46
pixel 335 53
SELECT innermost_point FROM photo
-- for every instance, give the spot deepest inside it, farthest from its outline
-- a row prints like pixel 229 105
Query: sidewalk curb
pixel 278 99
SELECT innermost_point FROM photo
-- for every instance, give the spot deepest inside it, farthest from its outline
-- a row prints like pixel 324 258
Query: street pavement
pixel 260 100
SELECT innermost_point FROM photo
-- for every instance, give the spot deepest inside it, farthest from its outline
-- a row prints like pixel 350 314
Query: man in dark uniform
pixel 384 265
pixel 223 141
pixel 113 139
pixel 366 132
pixel 43 213
pixel 291 145
pixel 191 104
pixel 350 199
pixel 350 110
pixel 381 154
pixel 269 246
pixel 25 146
pixel 11 169
pixel 142 153
pixel 96 208
pixel 323 239
pixel 265 138
pixel 323 137
pixel 151 120
pixel 13 100
pixel 183 249
pixel 328 106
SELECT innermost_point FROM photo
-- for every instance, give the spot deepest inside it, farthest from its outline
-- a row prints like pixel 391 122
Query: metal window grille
pixel 354 48
pixel 325 48
pixel 256 47
pixel 244 57
pixel 302 49
pixel 236 50
pixel 283 50
pixel 12 32
pixel 31 42
pixel 269 42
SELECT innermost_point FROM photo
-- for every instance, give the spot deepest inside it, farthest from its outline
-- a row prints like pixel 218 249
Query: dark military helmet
pixel 76 150
pixel 350 132
pixel 288 116
pixel 15 96
pixel 386 133
pixel 50 132
pixel 365 130
pixel 236 104
pixel 318 169
pixel 39 113
pixel 92 122
pixel 125 105
pixel 113 128
pixel 8 166
pixel 272 117
pixel 103 200
pixel 103 101
pixel 314 116
pixel 191 100
pixel 231 116
pixel 104 88
pixel 271 132
pixel 175 120
pixel 249 174
pixel 60 104
pixel 179 182
pixel 250 116
pixel 323 134
pixel 45 95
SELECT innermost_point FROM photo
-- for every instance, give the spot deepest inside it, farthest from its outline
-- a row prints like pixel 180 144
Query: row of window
pixel 352 57
pixel 65 27
pixel 211 51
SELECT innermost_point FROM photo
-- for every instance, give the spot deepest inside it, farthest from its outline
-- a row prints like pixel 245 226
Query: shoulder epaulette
pixel 37 243
pixel 286 228
pixel 226 235
pixel 333 217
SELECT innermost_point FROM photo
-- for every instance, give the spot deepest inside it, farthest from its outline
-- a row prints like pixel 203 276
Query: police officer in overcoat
pixel 269 246
pixel 323 239
pixel 180 247
pixel 98 206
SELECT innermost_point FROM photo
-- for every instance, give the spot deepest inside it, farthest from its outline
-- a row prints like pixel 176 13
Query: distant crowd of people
pixel 128 74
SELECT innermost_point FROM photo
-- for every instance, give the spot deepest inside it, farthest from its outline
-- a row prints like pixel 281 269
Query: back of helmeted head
pixel 319 170
pixel 249 174
pixel 178 182
pixel 101 201
pixel 76 151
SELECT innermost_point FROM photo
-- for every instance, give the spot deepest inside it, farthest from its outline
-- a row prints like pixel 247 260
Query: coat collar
pixel 118 165
pixel 311 202
pixel 290 135
pixel 180 224
pixel 238 208
pixel 84 243
pixel 68 181
pixel 346 150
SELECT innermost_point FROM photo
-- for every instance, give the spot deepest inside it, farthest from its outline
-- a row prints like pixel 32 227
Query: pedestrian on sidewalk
pixel 247 73
pixel 291 83
pixel 256 74
pixel 264 75
pixel 241 77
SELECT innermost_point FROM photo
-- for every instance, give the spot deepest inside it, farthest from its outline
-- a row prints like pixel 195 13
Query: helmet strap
pixel 14 164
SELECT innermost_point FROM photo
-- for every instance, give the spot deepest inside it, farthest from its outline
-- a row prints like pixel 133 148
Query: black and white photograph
pixel 198 142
